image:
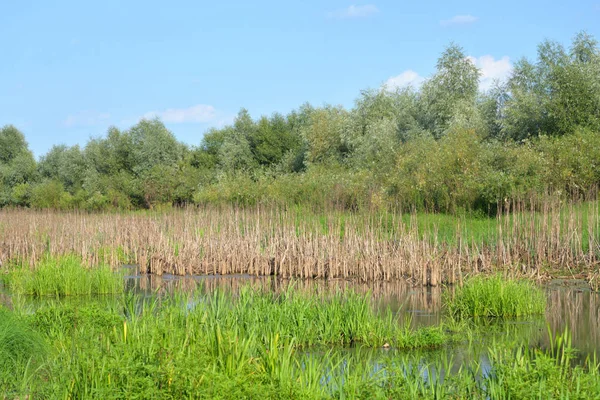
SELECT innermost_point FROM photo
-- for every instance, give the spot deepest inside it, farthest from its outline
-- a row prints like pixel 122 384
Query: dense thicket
pixel 443 146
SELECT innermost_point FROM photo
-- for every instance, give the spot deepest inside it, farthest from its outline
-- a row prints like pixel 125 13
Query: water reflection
pixel 570 304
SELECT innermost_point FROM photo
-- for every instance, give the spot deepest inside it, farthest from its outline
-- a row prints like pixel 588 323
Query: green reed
pixel 62 276
pixel 496 296
pixel 258 344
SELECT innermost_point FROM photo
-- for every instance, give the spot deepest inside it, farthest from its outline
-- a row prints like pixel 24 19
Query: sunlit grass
pixel 496 296
pixel 258 344
pixel 22 350
pixel 62 276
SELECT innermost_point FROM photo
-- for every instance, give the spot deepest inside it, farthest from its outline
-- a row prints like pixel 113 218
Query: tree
pixel 558 93
pixel 65 164
pixel 17 165
pixel 272 139
pixel 12 143
pixel 151 144
pixel 324 135
pixel 456 81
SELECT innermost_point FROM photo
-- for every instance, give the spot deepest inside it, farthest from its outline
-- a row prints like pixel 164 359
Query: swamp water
pixel 570 305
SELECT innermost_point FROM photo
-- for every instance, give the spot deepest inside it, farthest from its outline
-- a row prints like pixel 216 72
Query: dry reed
pixel 272 241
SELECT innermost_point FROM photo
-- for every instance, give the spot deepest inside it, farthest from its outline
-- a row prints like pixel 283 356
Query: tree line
pixel 443 146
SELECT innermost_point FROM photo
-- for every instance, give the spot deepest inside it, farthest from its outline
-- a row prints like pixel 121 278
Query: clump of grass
pixel 63 276
pixel 21 350
pixel 339 318
pixel 496 297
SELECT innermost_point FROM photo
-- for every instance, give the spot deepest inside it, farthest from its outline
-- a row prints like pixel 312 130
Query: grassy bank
pixel 221 345
pixel 531 240
pixel 256 344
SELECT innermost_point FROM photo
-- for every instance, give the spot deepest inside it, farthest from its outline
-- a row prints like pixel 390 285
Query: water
pixel 571 304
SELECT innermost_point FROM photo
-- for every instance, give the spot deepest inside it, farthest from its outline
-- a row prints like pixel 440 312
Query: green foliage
pixel 207 345
pixel 558 93
pixel 324 135
pixel 63 276
pixel 49 194
pixel 454 85
pixel 65 164
pixel 12 144
pixel 496 297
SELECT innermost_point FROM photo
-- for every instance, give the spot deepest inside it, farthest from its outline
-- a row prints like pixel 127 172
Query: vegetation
pixel 496 297
pixel 292 344
pixel 444 146
pixel 63 276
pixel 22 350
pixel 205 346
pixel 557 240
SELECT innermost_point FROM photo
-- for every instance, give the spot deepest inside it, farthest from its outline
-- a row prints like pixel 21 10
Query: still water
pixel 571 304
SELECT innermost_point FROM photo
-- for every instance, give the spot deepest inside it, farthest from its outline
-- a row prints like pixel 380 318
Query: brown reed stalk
pixel 534 240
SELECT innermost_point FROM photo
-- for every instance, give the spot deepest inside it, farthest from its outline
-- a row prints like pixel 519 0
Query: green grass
pixel 495 297
pixel 250 344
pixel 256 344
pixel 21 351
pixel 63 276
pixel 445 228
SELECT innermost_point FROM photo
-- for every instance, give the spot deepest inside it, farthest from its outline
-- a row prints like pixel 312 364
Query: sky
pixel 71 69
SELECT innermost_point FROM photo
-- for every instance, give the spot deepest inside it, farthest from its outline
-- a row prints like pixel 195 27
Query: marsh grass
pixel 254 344
pixel 22 350
pixel 533 239
pixel 202 345
pixel 62 276
pixel 497 297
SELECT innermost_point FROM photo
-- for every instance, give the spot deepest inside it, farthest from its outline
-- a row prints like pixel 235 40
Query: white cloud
pixel 405 79
pixel 355 12
pixel 86 118
pixel 200 113
pixel 492 69
pixel 459 20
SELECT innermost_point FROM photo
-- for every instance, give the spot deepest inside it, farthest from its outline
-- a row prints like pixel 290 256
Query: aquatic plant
pixel 62 276
pixel 255 344
pixel 22 350
pixel 532 238
pixel 495 296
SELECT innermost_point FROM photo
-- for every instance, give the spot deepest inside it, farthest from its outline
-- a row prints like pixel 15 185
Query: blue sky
pixel 70 69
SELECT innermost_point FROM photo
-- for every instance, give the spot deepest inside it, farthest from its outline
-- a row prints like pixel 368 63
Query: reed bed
pixel 546 240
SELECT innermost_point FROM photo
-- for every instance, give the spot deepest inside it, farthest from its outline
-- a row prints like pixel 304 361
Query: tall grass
pixel 22 350
pixel 529 239
pixel 191 347
pixel 62 276
pixel 496 296
pixel 204 346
